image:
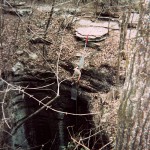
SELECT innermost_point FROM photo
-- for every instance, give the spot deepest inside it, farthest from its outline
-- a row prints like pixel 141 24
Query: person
pixel 76 75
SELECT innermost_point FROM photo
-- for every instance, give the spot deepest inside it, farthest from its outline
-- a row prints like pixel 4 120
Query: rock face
pixel 94 33
pixel 47 129
pixel 41 129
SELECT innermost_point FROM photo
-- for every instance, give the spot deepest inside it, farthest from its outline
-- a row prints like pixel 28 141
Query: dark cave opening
pixel 49 129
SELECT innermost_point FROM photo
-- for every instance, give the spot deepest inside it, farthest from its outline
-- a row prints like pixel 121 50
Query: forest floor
pixel 19 31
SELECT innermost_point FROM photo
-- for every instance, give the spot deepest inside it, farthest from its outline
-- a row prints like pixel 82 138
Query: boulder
pixel 15 4
pixel 94 33
pixel 40 40
pixel 133 20
pixel 131 34
pixel 111 24
pixel 18 68
pixel 22 11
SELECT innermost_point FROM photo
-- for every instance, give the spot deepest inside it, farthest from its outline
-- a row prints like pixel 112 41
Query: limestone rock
pixel 15 4
pixel 33 56
pixel 19 52
pixel 18 68
pixel 112 24
pixel 131 34
pixel 94 33
pixel 22 11
pixel 133 21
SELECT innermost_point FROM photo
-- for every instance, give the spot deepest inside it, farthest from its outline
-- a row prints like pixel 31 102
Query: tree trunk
pixel 134 111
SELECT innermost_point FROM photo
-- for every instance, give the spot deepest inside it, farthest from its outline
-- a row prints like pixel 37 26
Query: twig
pixel 74 140
pixel 106 145
pixel 78 142
pixel 3 111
